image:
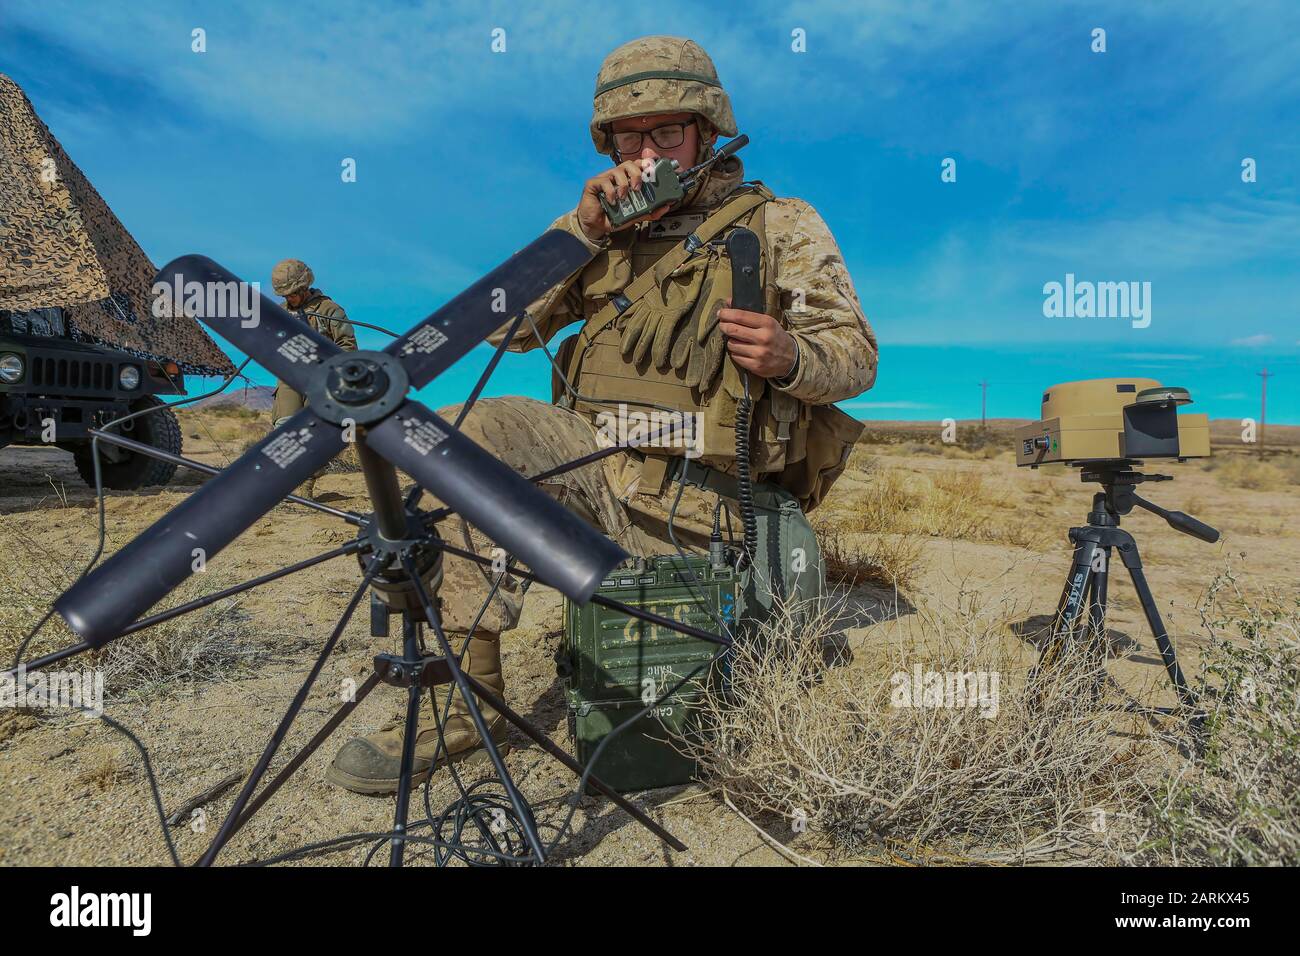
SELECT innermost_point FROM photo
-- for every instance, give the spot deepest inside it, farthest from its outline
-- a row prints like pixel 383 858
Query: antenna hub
pixel 365 387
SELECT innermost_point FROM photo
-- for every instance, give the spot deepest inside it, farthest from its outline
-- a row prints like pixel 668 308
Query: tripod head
pixel 1118 480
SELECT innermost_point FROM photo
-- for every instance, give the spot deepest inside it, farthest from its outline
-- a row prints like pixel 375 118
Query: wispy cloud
pixel 383 70
pixel 1182 237
pixel 1253 341
pixel 316 68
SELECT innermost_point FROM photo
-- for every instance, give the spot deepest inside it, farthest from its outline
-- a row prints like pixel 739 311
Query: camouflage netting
pixel 60 245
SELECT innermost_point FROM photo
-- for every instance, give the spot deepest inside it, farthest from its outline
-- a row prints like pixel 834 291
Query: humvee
pixel 54 389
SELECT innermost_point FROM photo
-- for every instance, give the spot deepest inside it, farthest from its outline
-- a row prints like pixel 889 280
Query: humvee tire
pixel 159 429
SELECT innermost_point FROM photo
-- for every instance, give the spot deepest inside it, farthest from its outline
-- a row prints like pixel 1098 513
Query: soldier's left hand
pixel 757 343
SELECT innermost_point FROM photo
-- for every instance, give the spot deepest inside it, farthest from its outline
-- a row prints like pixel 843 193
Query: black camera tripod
pixel 1088 579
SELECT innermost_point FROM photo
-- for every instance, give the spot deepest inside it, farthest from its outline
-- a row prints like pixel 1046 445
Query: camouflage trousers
pixel 532 437
pixel 285 403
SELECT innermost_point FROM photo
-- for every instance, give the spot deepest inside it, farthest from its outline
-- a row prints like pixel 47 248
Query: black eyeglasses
pixel 667 136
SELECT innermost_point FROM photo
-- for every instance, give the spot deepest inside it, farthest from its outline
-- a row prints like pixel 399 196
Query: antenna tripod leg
pixel 413 658
pixel 522 811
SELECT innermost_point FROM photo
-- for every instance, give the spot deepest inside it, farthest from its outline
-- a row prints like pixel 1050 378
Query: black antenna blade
pixel 737 143
pixel 100 605
pixel 280 342
pixel 431 347
pixel 559 547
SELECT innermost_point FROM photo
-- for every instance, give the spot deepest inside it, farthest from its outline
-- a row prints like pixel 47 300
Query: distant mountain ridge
pixel 255 397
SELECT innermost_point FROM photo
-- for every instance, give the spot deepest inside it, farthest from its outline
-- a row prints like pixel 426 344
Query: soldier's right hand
pixel 613 184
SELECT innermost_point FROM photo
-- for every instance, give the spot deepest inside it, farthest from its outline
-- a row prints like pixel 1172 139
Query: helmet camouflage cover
pixel 658 74
pixel 290 276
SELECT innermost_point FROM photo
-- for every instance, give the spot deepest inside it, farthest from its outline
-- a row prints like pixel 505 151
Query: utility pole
pixel 984 404
pixel 1263 404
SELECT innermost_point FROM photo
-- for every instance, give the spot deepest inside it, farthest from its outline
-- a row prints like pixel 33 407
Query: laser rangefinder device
pixel 1113 419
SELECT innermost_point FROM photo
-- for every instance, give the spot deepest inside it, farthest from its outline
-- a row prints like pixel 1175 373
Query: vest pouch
pixel 604 277
pixel 831 436
pixel 776 429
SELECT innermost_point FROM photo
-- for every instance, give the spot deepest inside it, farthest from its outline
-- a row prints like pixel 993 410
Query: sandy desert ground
pixel 972 528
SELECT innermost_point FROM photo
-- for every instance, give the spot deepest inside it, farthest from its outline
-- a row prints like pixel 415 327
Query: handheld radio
pixel 662 186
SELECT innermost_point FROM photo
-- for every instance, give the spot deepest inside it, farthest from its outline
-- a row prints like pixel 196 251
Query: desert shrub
pixel 1244 471
pixel 212 643
pixel 838 754
pixel 1234 797
pixel 862 460
pixel 345 462
pixel 957 503
pixel 883 506
pixel 883 560
pixel 1289 466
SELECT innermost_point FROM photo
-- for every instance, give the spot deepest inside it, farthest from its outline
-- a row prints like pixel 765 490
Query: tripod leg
pixel 301 756
pixel 1095 637
pixel 1097 594
pixel 526 821
pixel 1073 599
pixel 411 652
pixel 1134 564
pixel 233 818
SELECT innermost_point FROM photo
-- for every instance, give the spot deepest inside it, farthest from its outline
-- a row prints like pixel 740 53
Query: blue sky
pixel 1115 166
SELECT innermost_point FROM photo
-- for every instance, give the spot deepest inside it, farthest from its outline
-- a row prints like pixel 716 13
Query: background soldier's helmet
pixel 290 276
pixel 658 74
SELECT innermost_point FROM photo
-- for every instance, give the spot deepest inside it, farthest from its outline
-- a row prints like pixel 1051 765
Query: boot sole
pixel 374 787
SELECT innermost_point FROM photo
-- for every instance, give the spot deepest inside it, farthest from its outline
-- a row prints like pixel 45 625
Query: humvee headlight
pixel 11 368
pixel 129 377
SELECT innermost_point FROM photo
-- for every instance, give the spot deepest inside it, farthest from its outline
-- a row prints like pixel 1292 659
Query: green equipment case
pixel 613 665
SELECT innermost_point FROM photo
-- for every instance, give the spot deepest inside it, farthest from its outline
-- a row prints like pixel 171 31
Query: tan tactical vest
pixel 598 369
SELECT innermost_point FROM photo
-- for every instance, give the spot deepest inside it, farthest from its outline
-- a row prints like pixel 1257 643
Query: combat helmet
pixel 290 276
pixel 658 74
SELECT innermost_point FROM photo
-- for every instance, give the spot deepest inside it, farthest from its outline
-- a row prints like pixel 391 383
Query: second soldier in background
pixel 293 278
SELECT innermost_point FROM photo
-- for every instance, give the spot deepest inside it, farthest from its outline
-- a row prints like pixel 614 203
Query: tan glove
pixel 652 327
pixel 706 357
pixel 634 327
pixel 700 348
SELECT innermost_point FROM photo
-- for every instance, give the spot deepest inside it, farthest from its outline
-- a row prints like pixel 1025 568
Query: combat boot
pixel 371 764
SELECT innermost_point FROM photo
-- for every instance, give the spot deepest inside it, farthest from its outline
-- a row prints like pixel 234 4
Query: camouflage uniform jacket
pixel 837 347
pixel 340 333
pixel 286 401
